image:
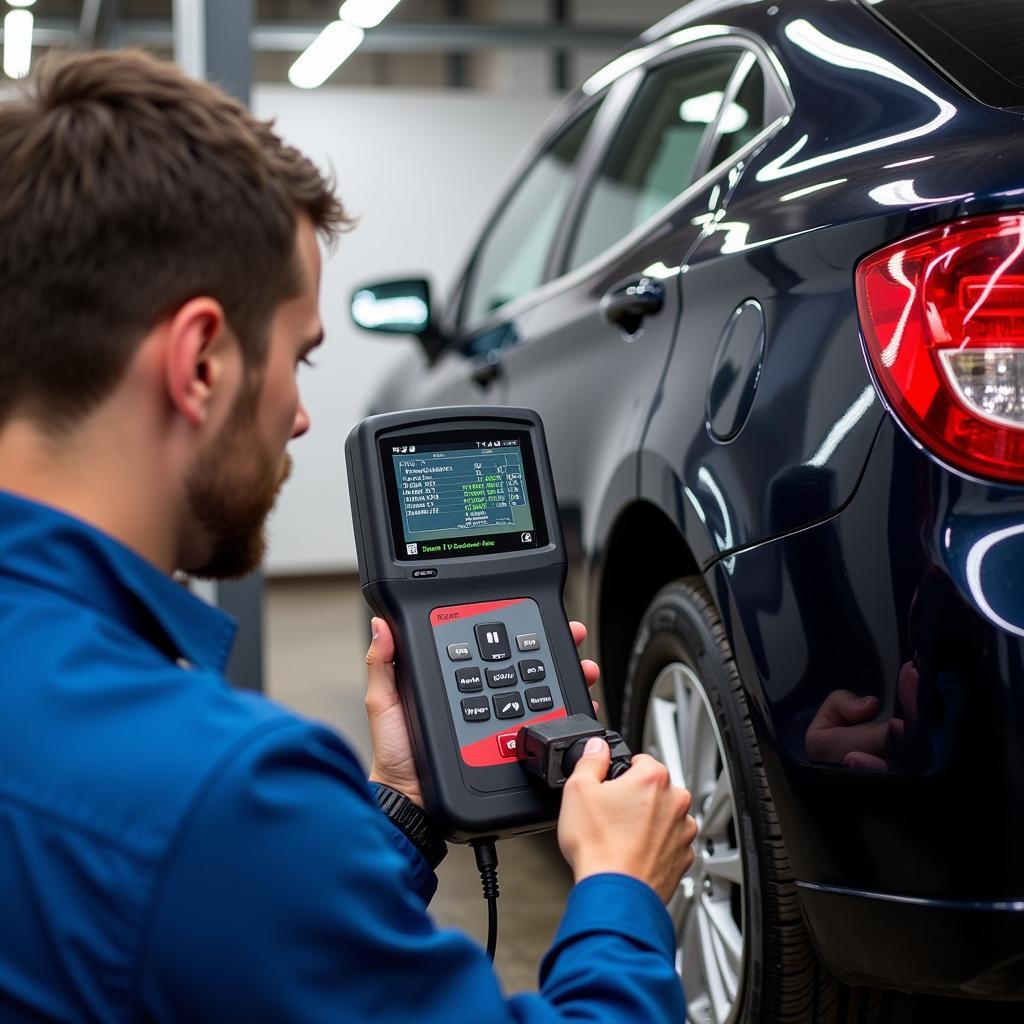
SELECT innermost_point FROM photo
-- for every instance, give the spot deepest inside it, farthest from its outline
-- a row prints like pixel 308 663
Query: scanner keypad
pixel 490 640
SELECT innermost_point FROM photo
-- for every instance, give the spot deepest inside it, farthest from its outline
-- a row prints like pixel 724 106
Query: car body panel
pixel 810 614
pixel 790 234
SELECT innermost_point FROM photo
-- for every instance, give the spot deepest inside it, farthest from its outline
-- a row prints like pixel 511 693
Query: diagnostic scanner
pixel 460 550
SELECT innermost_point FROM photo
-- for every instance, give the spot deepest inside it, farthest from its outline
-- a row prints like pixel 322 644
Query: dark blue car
pixel 763 278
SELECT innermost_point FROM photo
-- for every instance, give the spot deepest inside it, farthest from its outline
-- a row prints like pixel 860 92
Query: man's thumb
pixel 596 759
pixel 382 646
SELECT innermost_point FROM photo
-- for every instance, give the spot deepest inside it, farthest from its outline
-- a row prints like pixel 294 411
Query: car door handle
pixel 488 373
pixel 630 302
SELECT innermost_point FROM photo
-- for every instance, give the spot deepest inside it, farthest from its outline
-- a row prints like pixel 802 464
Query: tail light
pixel 943 318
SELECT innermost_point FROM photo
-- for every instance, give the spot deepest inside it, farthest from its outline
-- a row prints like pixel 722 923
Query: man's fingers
pixel 845 708
pixel 871 738
pixel 579 632
pixel 864 761
pixel 593 765
pixel 591 671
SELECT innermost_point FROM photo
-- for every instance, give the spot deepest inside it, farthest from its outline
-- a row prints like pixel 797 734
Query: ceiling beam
pixel 398 37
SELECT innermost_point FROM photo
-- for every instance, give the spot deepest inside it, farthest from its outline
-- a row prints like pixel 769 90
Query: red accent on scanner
pixel 484 752
pixel 461 612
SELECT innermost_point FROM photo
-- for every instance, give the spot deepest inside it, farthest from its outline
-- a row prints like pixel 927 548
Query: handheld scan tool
pixel 461 552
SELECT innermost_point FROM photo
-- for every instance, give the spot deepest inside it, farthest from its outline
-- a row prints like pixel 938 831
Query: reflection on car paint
pixel 692 498
pixel 907 163
pixel 807 37
pixel 975 557
pixel 843 426
pixel 903 193
pixel 724 541
pixel 810 189
pixel 661 272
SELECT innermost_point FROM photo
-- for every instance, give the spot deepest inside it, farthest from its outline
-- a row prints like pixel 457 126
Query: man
pixel 170 849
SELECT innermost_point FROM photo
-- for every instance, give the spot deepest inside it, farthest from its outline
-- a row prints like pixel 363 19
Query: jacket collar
pixel 45 547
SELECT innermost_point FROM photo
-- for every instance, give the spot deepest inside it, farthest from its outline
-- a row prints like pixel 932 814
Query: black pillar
pixel 560 17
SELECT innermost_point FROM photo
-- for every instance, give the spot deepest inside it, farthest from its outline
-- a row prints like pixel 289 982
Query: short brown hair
pixel 127 188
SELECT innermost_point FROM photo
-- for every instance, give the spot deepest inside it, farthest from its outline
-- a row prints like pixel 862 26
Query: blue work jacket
pixel 172 849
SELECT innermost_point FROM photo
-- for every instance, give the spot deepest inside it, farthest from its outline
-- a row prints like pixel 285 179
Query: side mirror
pixel 398 307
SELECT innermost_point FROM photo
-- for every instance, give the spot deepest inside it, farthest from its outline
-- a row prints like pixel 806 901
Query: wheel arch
pixel 630 577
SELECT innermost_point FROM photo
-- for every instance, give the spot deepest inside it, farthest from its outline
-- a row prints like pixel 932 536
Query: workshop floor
pixel 316 637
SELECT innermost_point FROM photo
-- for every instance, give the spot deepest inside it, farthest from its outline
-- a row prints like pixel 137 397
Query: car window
pixel 743 117
pixel 512 258
pixel 652 158
pixel 977 44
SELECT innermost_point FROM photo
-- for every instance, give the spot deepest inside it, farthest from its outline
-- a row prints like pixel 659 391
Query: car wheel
pixel 744 955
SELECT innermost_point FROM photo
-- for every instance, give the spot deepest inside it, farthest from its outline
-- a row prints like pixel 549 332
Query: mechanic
pixel 172 849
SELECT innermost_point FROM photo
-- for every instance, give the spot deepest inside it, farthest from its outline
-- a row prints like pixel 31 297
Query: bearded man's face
pixel 232 490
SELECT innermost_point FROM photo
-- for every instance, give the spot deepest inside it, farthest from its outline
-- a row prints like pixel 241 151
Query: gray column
pixel 228 49
pixel 211 41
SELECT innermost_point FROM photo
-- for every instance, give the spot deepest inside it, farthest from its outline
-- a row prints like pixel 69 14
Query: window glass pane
pixel 651 159
pixel 512 259
pixel 978 44
pixel 743 118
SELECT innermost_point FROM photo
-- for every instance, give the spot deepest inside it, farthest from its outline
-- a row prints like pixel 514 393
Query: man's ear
pixel 199 351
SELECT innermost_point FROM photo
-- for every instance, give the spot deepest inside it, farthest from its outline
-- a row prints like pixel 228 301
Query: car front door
pixel 510 262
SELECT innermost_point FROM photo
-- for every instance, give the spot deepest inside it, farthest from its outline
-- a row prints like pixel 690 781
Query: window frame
pixel 559 125
pixel 778 104
pixel 582 195
pixel 615 100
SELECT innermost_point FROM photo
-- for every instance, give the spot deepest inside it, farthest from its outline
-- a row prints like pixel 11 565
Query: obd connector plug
pixel 550 750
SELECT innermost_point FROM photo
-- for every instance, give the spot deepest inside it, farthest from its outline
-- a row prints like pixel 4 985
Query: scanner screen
pixel 460 497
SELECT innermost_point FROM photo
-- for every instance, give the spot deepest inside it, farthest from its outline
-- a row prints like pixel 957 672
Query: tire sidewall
pixel 680 626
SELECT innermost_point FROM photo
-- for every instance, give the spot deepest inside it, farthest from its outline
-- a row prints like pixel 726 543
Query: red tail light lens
pixel 943 318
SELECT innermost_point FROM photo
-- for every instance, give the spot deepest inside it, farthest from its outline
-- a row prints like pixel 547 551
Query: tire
pixel 744 953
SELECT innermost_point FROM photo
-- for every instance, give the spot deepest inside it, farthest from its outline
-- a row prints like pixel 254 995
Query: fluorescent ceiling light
pixel 21 3
pixel 325 55
pixel 17 43
pixel 366 13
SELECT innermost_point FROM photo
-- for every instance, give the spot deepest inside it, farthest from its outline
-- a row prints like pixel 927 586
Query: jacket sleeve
pixel 288 896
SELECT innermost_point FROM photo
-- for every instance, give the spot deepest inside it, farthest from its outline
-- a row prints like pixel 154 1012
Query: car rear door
pixel 591 346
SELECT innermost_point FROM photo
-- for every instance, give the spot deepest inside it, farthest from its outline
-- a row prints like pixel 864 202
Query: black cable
pixel 487 865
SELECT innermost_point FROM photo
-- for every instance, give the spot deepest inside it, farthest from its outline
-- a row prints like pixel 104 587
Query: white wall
pixel 421 170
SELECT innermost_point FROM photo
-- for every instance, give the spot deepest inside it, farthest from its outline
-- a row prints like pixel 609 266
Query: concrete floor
pixel 316 637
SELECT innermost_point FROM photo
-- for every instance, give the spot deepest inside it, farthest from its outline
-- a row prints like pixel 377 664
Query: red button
pixel 507 744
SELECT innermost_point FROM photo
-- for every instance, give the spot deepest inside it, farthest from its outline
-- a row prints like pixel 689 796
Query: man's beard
pixel 231 491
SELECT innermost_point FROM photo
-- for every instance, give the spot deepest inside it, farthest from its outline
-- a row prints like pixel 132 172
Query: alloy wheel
pixel 708 909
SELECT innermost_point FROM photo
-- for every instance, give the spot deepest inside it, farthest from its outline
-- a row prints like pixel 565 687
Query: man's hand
pixel 393 763
pixel 637 824
pixel 844 732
